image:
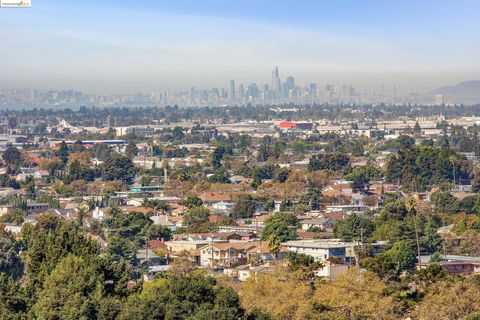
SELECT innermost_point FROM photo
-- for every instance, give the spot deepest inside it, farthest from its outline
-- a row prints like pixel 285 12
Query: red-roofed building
pixel 157 244
pixel 296 125
pixel 210 198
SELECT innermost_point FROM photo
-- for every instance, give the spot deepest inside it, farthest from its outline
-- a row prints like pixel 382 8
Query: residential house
pixel 222 207
pixel 5 192
pixel 243 272
pixel 347 208
pixel 331 271
pixel 321 223
pixel 321 250
pixel 98 213
pixel 31 207
pixel 225 254
pixel 12 228
pixel 238 179
pixel 35 207
pixel 157 244
pixel 247 228
pixel 455 264
pixel 216 218
pixel 144 210
pixel 146 255
pixel 210 198
pixel 66 213
pixel 307 235
pixel 191 246
pixel 380 188
pixel 334 215
pixel 167 221
pixel 339 188
pixel 39 174
pixel 260 220
pixel 177 246
pixel 261 252
pixel 462 268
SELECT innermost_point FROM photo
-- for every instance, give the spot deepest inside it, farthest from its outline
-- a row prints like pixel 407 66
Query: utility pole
pixel 418 243
pixel 361 236
pixel 146 246
pixel 361 243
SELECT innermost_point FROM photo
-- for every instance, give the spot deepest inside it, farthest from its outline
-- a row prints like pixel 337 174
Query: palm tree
pixel 274 245
pixel 453 160
pixel 411 206
pixel 150 148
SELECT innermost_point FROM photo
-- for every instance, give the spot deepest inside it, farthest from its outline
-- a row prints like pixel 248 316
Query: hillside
pixel 466 92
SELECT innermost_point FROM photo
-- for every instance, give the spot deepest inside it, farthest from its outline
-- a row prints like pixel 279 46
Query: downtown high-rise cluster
pixel 277 91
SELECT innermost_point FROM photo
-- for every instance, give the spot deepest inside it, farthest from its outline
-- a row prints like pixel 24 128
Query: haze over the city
pixel 117 47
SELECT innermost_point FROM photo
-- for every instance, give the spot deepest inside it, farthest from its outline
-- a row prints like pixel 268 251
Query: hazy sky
pixel 125 46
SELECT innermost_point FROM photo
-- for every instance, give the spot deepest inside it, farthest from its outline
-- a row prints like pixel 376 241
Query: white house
pixel 222 207
pixel 164 220
pixel 98 213
pixel 321 250
pixel 331 271
pixel 321 223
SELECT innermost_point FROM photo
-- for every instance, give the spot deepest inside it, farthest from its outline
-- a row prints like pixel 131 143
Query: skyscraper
pixel 252 91
pixel 241 91
pixel 231 91
pixel 274 77
pixel 290 82
pixel 394 96
pixel 439 100
pixel 312 90
pixel 276 84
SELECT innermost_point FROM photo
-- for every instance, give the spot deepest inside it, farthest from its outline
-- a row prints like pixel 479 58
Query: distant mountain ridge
pixel 463 92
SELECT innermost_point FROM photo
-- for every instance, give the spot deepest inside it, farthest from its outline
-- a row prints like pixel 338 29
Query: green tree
pixel 196 217
pixel 131 150
pixel 361 177
pixel 118 167
pixel 219 176
pixel 10 262
pixel 63 152
pixel 281 174
pixel 12 155
pixel 14 302
pixel 416 129
pixel 274 245
pixel 311 199
pixel 393 261
pixel 402 254
pixel 192 202
pixel 282 225
pixel 332 161
pixel 51 240
pixel 158 232
pixel 75 170
pixel 191 296
pixel 217 156
pixel 352 228
pixel 244 206
pixel 444 202
pixel 256 179
pixel 303 263
pixel 15 216
pixel 157 206
pixel 72 291
pixel 7 182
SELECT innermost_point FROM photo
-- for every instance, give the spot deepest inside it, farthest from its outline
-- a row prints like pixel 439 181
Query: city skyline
pixel 281 88
pixel 120 47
